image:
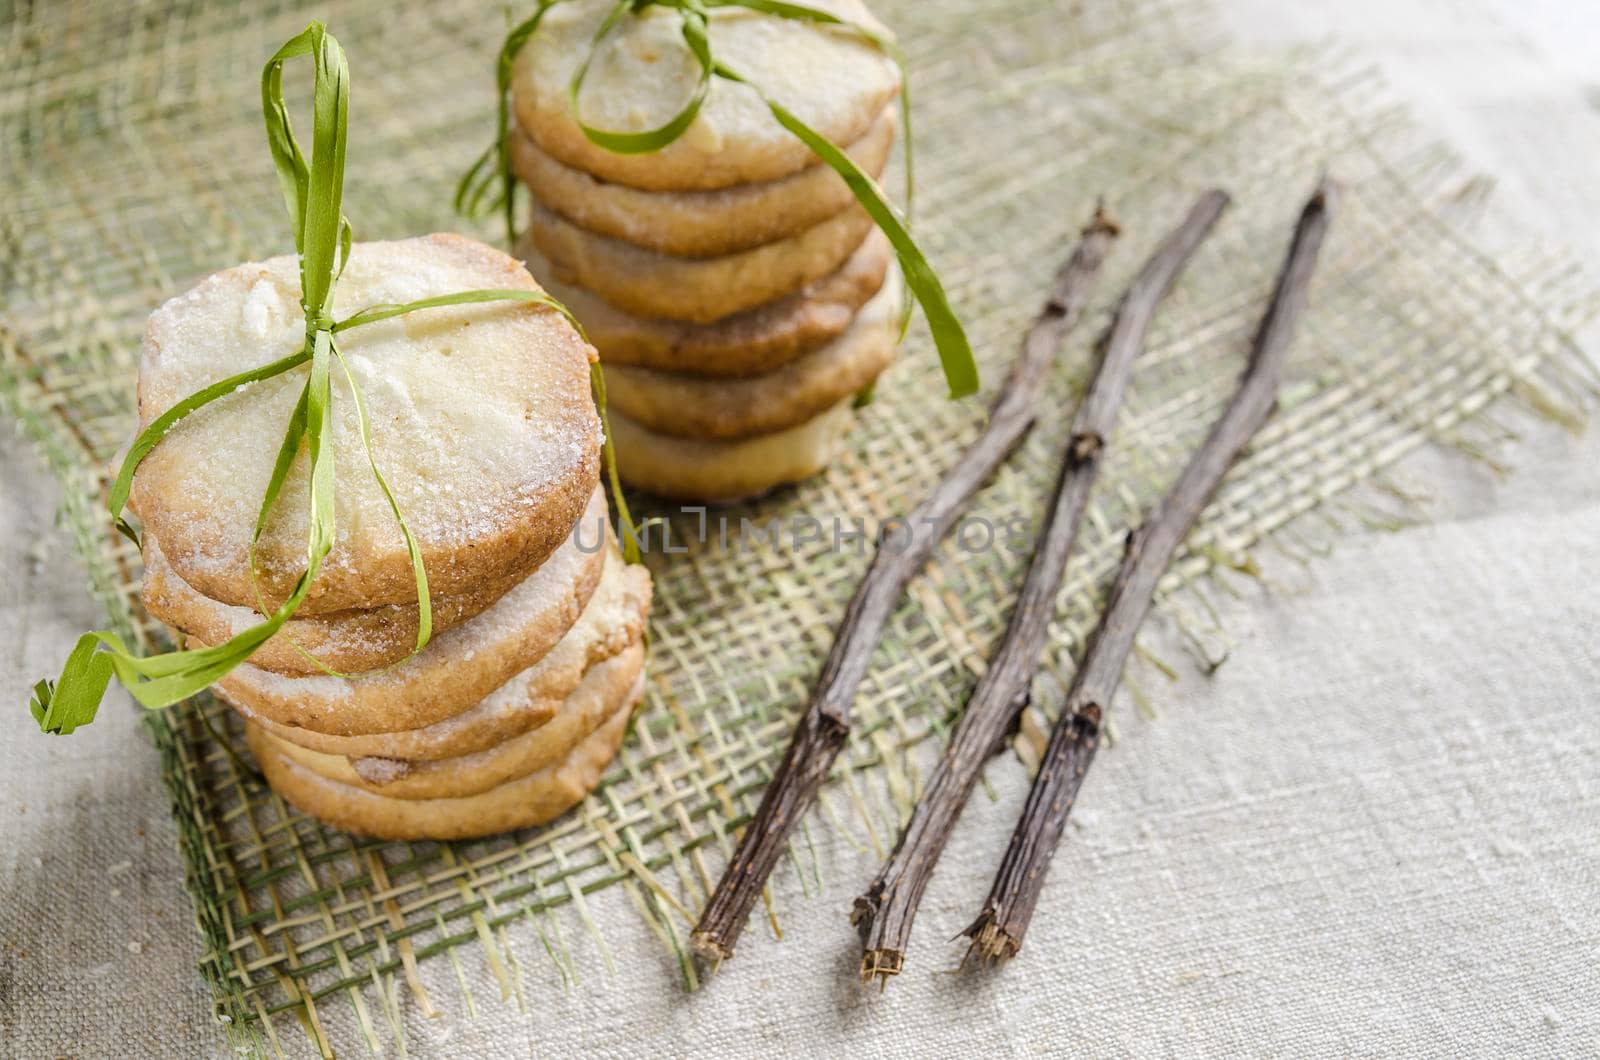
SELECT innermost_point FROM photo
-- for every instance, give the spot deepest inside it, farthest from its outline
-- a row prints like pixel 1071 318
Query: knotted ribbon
pixel 312 194
pixel 489 184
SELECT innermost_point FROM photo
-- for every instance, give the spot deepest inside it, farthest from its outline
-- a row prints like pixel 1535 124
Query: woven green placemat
pixel 134 164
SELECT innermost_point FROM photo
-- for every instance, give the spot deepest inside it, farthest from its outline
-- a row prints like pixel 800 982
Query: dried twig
pixel 824 726
pixel 998 931
pixel 883 915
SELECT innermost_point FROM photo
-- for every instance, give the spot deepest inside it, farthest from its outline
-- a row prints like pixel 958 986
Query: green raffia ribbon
pixel 312 194
pixel 490 184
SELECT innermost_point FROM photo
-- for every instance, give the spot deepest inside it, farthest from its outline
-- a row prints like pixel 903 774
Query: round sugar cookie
pixel 754 342
pixel 482 423
pixel 595 699
pixel 642 74
pixel 352 641
pixel 723 472
pixel 726 409
pixel 456 670
pixel 699 224
pixel 611 624
pixel 698 290
pixel 521 803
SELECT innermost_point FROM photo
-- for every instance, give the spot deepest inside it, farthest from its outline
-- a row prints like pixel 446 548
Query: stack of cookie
pixel 739 296
pixel 484 427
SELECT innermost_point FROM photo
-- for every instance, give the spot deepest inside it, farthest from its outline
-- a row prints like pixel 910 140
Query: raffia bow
pixel 490 184
pixel 312 194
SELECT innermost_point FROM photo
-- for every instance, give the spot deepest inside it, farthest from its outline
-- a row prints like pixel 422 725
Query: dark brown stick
pixel 824 726
pixel 883 915
pixel 998 931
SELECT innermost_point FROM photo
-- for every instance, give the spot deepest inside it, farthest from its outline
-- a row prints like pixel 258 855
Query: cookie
pixel 694 469
pixel 613 623
pixel 484 428
pixel 455 671
pixel 750 343
pixel 699 290
pixel 699 224
pixel 582 712
pixel 641 75
pixel 352 641
pixel 725 409
pixel 521 803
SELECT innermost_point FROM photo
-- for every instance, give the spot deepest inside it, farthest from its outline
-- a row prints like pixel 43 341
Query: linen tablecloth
pixel 1376 828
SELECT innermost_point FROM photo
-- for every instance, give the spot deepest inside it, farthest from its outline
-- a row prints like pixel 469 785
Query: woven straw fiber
pixel 134 163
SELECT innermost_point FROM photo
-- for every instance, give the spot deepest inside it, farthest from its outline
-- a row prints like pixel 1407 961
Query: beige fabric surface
pixel 1376 829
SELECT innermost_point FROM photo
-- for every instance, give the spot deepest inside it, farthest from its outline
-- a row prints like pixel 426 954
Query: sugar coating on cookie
pixel 482 421
pixel 641 75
